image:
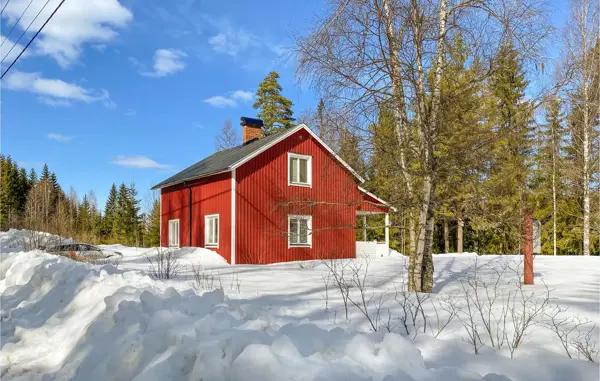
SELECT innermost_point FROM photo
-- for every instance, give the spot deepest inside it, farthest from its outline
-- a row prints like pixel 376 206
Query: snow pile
pixel 67 320
pixel 13 240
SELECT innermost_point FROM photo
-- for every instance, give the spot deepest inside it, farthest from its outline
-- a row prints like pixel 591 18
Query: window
pixel 299 169
pixel 300 230
pixel 211 230
pixel 173 233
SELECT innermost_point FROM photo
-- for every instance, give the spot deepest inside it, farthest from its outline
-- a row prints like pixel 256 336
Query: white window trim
pixel 178 233
pixel 309 233
pixel 308 169
pixel 206 231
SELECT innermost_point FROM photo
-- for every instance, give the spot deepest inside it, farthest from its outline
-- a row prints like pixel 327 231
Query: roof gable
pixel 227 160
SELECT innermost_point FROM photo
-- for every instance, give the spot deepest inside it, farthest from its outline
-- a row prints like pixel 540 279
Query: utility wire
pixel 4 7
pixel 16 23
pixel 33 38
pixel 25 31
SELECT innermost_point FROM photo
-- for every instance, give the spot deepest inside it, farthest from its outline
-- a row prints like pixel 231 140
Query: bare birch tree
pixel 364 54
pixel 582 55
pixel 227 137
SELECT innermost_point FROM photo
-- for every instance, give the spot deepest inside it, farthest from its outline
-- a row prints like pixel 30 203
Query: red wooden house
pixel 282 197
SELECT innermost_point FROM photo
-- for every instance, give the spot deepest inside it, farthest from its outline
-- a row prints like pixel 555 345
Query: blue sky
pixel 136 90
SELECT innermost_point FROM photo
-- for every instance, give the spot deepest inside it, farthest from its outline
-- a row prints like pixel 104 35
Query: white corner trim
pixel 377 198
pixel 233 215
pixel 160 221
pixel 285 135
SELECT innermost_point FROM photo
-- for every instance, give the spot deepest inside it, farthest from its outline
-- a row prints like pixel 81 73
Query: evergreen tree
pixel 32 177
pixel 505 185
pixel 153 235
pixel 84 220
pixel 45 173
pixel 109 212
pixel 275 109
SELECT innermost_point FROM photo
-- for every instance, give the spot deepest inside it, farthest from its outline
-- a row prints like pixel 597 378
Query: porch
pixel 369 242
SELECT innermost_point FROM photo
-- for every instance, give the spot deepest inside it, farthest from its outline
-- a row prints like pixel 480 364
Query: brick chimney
pixel 251 129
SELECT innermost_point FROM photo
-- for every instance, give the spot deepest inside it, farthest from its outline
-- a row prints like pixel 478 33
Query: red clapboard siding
pixel 210 195
pixel 264 201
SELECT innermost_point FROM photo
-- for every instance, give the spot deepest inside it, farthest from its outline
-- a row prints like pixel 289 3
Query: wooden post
pixel 387 230
pixel 528 249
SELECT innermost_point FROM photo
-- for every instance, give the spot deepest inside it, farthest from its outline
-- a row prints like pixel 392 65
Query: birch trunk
pixel 586 137
pixel 553 191
pixel 446 237
pixel 459 235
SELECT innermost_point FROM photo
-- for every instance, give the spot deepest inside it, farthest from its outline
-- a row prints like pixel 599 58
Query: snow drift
pixel 67 320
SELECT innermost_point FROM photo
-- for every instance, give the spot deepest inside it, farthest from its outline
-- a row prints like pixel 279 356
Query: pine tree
pixel 84 218
pixel 275 109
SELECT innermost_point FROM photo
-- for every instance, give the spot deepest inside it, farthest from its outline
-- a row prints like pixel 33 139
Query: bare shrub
pixel 366 301
pixel 566 327
pixel 339 272
pixel 235 284
pixel 446 304
pixel 304 265
pixel 586 346
pixel 206 280
pixel 164 265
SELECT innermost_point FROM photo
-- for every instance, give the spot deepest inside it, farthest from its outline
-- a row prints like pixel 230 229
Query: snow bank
pixel 67 320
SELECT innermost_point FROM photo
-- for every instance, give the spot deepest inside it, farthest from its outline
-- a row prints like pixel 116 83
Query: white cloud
pixel 231 40
pixel 230 100
pixel 59 137
pixel 76 23
pixel 54 102
pixel 138 161
pixel 166 62
pixel 54 92
pixel 30 164
pixel 10 51
pixel 130 112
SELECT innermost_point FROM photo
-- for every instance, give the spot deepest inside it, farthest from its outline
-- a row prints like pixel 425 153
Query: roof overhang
pixel 377 198
pixel 284 135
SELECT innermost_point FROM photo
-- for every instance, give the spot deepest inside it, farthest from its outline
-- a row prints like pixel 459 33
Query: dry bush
pixel 206 280
pixel 164 265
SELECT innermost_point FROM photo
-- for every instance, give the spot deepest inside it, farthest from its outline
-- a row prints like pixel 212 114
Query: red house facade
pixel 283 197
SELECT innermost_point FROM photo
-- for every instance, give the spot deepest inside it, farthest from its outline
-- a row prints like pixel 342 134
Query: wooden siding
pixel 210 195
pixel 264 200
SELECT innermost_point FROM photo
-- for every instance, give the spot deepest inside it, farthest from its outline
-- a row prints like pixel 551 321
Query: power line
pixel 25 31
pixel 16 23
pixel 4 7
pixel 34 36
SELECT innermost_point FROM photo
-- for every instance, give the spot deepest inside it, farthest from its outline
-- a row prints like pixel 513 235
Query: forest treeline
pixel 40 204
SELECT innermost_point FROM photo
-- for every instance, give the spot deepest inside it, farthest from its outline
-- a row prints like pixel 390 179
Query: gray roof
pixel 222 161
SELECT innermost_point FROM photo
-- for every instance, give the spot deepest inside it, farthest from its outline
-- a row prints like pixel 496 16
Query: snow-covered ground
pixel 65 320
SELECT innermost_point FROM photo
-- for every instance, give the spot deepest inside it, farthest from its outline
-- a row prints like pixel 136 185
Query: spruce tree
pixel 32 177
pixel 506 180
pixel 274 109
pixel 153 235
pixel 109 211
pixel 45 173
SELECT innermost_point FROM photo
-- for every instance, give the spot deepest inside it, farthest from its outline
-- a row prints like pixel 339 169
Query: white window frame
pixel 308 158
pixel 207 219
pixel 169 242
pixel 308 235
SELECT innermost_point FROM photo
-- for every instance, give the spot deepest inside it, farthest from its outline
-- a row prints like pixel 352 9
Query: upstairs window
pixel 211 230
pixel 173 233
pixel 299 170
pixel 300 230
